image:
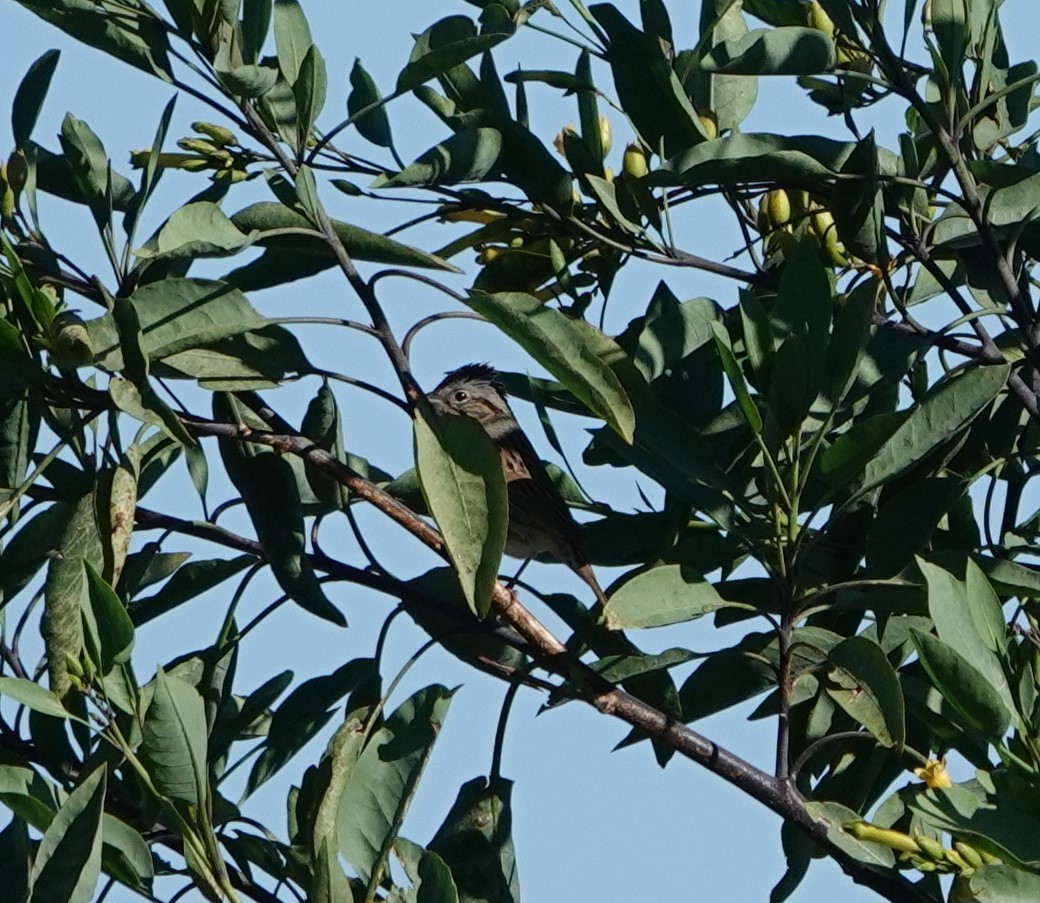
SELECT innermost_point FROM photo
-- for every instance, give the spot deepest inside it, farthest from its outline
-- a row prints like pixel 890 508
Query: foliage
pixel 843 445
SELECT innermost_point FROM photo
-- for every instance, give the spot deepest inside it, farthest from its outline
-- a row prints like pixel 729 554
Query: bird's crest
pixel 484 373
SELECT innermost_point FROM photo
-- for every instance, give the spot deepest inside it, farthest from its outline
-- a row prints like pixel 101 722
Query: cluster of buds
pixel 219 151
pixel 924 853
pixel 782 214
pixel 849 53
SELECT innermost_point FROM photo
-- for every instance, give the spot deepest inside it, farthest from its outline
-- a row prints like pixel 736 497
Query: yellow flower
pixel 934 773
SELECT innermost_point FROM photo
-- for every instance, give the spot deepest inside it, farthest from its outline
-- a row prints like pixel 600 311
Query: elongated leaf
pixel 460 471
pixel 561 346
pixel 663 595
pixel 476 842
pixel 867 689
pixel 382 783
pixel 432 880
pixel 942 414
pixel 302 714
pixel 736 379
pixel 136 37
pixel 790 50
pixel 68 861
pixel 33 696
pixel 374 125
pixel 968 618
pixel 361 244
pixel 292 36
pixel 269 489
pixel 177 315
pixel 467 156
pixel 1003 884
pixel 200 229
pixel 29 97
pixel 443 46
pixel 115 631
pixel 963 685
pixel 310 90
pixel 174 740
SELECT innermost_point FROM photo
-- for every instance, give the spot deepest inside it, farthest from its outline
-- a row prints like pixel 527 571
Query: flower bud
pixel 634 162
pixel 568 129
pixel 221 136
pixel 710 124
pixel 816 17
pixel 606 135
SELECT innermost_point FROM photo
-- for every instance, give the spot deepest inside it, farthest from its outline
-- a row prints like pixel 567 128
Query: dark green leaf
pixel 193 231
pixel 304 712
pixel 865 685
pixel 467 156
pixel 963 685
pixel 565 349
pixel 29 97
pixel 68 860
pixel 476 842
pixel 383 781
pixel 790 50
pixel 443 46
pixel 114 628
pixel 374 125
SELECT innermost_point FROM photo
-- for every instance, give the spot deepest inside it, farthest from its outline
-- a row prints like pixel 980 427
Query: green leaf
pixel 1005 831
pixel 736 379
pixel 374 125
pixel 565 349
pixel 292 37
pixel 15 859
pixel 835 815
pixel 174 740
pixel 32 696
pixel 323 424
pixel 865 685
pixel 258 359
pixel 1002 884
pixel 467 156
pixel 951 29
pixel 310 90
pixel 618 668
pixel 940 416
pixel 790 50
pixel 133 35
pixel 436 603
pixel 432 880
pixel 68 860
pixel 857 204
pixel 460 471
pixel 661 596
pixel 196 230
pixel 29 97
pixel 648 88
pixel 89 164
pixel 125 854
pixel 385 778
pixel 114 628
pixel 304 712
pixel 476 842
pixel 443 46
pixel 330 883
pixel 268 487
pixel 968 618
pixel 360 244
pixel 175 315
pixel 963 686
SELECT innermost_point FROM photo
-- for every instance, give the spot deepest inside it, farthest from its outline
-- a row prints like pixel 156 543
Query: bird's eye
pixel 460 396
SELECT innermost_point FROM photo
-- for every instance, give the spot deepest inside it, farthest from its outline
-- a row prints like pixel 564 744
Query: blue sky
pixel 589 824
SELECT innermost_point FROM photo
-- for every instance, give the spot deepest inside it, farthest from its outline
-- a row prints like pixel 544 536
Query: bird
pixel 539 519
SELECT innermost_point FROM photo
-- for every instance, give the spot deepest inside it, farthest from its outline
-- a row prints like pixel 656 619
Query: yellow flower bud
pixel 777 205
pixel 198 145
pixel 896 840
pixel 710 124
pixel 634 162
pixel 606 135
